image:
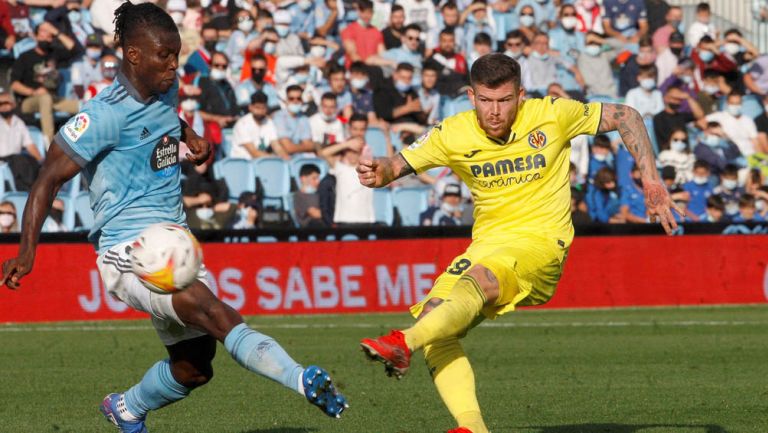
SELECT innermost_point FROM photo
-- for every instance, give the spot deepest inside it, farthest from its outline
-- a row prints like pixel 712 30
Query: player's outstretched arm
pixel 57 169
pixel 378 172
pixel 629 123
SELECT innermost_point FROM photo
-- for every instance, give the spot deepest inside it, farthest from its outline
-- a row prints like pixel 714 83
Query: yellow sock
pixel 455 382
pixel 450 318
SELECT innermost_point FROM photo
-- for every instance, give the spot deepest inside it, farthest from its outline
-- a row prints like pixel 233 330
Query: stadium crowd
pixel 292 92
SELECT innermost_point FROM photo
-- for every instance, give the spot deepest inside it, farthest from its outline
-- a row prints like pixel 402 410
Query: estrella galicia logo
pixel 537 139
pixel 165 157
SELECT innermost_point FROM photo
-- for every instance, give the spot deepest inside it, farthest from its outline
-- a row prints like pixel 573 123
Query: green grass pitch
pixel 676 370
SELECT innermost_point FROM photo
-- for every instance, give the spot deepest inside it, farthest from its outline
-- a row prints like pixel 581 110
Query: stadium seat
pixel 383 208
pixel 6 178
pixel 456 105
pixel 299 161
pixel 375 138
pixel 82 207
pixel 23 46
pixel 238 175
pixel 227 134
pixel 752 106
pixel 19 199
pixel 288 203
pixel 275 177
pixel 38 138
pixel 411 202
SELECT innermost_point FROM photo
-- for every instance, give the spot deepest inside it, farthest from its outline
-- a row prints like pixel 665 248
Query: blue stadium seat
pixel 238 175
pixel 275 177
pixel 227 134
pixel 23 46
pixel 602 99
pixel 38 138
pixel 6 177
pixel 299 161
pixel 19 199
pixel 375 138
pixel 752 106
pixel 82 207
pixel 456 105
pixel 411 202
pixel 652 135
pixel 383 208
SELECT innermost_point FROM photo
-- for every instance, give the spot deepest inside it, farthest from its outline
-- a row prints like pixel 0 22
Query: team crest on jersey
pixel 537 139
pixel 77 126
pixel 165 157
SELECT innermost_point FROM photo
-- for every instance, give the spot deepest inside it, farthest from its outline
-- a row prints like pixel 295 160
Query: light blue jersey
pixel 128 148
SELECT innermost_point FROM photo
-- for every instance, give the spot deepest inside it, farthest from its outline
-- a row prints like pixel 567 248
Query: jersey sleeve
pixel 576 118
pixel 428 151
pixel 89 133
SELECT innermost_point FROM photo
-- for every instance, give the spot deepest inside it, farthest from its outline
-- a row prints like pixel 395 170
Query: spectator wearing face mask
pixel 669 58
pixel 706 56
pixel 205 198
pixel 625 22
pixel 88 69
pixel 248 212
pixel 448 213
pixel 326 127
pixel 739 128
pixel 408 52
pixel 294 134
pixel 715 148
pixel 632 207
pixel 714 211
pixel 570 43
pixel 14 132
pixel 602 200
pixel 739 50
pixel 218 106
pixel 306 200
pixel 190 112
pixel 543 66
pixel 199 62
pixel 712 90
pixel 336 85
pixel 255 135
pixel 761 202
pixel 257 83
pixel 673 116
pixel 527 21
pixel 756 79
pixel 362 95
pixel 699 188
pixel 595 68
pixel 360 39
pixel 730 190
pixel 8 223
pixel 673 20
pixel 242 34
pixel 289 44
pixel 646 98
pixel 398 103
pixel 701 26
pixel 629 70
pixel 54 223
pixel 678 155
pixel 683 78
pixel 601 157
pixel 476 20
pixel 429 97
pixel 748 210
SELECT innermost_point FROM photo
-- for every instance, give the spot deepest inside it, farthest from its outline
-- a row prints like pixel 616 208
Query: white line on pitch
pixel 610 324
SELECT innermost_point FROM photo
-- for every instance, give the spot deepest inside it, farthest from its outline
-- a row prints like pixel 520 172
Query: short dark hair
pixel 432 66
pixel 365 5
pixel 747 200
pixel 482 38
pixel 449 5
pixel 396 7
pixel 308 169
pixel 733 31
pixel 711 73
pixel 700 163
pixel 517 34
pixel 730 170
pixel 405 67
pixel 702 7
pixel 259 97
pixel 358 66
pixel 448 31
pixel 602 140
pixel 294 88
pixel 132 20
pixel 706 39
pixel 358 117
pixel 411 27
pixel 329 96
pixel 647 70
pixel 258 56
pixel 715 201
pixel 495 69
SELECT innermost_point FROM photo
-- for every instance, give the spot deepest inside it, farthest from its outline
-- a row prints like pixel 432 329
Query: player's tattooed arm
pixel 382 171
pixel 629 123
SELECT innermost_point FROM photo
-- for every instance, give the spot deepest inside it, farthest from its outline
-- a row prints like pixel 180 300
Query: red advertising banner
pixel 389 275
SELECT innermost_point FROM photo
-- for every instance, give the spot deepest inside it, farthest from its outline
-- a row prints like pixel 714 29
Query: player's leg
pixel 198 308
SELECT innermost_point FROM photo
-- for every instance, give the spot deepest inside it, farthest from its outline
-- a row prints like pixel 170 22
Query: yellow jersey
pixel 521 186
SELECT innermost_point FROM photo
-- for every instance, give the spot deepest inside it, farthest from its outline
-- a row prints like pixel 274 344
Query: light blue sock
pixel 158 388
pixel 261 354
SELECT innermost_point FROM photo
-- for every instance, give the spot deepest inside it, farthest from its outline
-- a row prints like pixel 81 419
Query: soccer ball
pixel 166 258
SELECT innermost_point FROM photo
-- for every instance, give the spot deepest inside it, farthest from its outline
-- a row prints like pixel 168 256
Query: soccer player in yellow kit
pixel 514 155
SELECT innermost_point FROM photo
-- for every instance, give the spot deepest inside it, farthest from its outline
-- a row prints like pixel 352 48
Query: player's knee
pixel 429 306
pixel 192 376
pixel 487 282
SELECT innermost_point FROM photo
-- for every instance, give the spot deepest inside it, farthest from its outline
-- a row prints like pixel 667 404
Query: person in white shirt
pixel 739 128
pixel 14 135
pixel 646 98
pixel 254 134
pixel 325 125
pixel 678 155
pixel 701 26
pixel 354 202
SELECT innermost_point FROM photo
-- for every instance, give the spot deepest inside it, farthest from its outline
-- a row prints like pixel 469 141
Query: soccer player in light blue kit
pixel 126 143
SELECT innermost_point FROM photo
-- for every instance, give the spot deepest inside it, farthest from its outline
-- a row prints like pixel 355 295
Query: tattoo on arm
pixel 490 276
pixel 629 123
pixel 393 168
pixel 406 168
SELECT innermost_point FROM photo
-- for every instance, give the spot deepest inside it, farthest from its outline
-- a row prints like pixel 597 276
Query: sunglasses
pixel 297 98
pixel 243 18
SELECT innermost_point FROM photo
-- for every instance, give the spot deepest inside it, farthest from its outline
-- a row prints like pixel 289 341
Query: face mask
pixel 294 108
pixel 675 24
pixel 74 16
pixel 189 105
pixel 700 180
pixel 270 47
pixel 712 140
pixel 205 3
pixel 329 119
pixel 601 157
pixel 687 79
pixel 358 83
pixel 676 51
pixel 734 110
pixel 513 54
pixel 282 31
pixel 592 50
pixel 309 189
pixel 317 51
pixel 706 56
pixel 730 184
pixel 177 17
pixel 711 88
pixel 732 48
pixel 648 83
pixel 760 205
pixel 93 53
pixel 305 4
pixel 218 74
pixel 245 26
pixel 204 213
pixel 210 46
pixel 6 114
pixel 527 20
pixel 243 213
pixel 258 77
pixel 449 208
pixel 301 78
pixel 538 55
pixel 569 23
pixel 732 208
pixel 402 87
pixel 678 146
pixel 109 73
pixel 6 220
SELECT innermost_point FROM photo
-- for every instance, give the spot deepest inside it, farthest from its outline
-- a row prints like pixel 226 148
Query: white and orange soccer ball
pixel 166 258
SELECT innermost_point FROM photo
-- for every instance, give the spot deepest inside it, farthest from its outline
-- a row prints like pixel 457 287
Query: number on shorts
pixel 459 267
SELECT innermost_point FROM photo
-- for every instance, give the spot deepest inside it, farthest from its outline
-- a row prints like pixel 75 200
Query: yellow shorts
pixel 528 268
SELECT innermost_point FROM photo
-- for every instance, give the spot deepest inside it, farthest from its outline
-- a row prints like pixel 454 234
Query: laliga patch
pixel 424 137
pixel 165 157
pixel 537 139
pixel 77 126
